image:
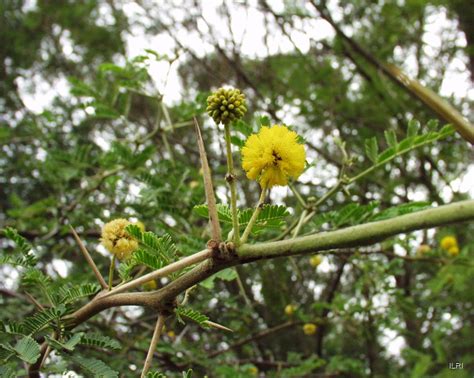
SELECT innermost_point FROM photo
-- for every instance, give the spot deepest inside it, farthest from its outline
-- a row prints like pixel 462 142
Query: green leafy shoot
pixel 72 294
pixel 43 318
pixel 196 316
pixel 162 247
pixel 354 214
pixel 410 143
pixel 271 216
pixel 24 255
pixel 155 252
pixel 402 209
pixel 349 215
pixel 35 278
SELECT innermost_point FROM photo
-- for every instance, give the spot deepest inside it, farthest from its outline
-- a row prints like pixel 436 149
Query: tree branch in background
pixel 413 87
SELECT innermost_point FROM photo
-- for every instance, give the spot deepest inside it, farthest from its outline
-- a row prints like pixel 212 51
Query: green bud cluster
pixel 226 105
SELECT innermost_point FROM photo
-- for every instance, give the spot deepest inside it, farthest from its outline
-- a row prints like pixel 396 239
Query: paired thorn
pixel 208 186
pixel 88 258
pixel 154 341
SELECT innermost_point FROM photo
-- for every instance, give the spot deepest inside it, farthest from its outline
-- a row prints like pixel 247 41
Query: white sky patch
pixel 61 267
pixel 392 342
pixel 10 277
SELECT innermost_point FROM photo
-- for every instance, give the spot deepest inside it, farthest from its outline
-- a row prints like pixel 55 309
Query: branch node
pixel 229 177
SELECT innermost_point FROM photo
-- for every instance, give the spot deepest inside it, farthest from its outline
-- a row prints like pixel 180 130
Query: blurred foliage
pixel 111 147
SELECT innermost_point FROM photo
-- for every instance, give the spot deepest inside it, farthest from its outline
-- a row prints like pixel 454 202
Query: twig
pixel 178 265
pixel 88 258
pixel 34 301
pixel 154 341
pixel 210 197
pixel 257 336
pixel 163 134
pixel 297 195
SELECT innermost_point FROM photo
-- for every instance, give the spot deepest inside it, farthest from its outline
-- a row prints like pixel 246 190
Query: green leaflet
pixel 7 372
pixel 155 374
pixel 11 327
pixel 68 345
pixel 25 349
pixel 97 340
pixel 36 322
pixel 24 255
pixel 228 274
pixel 94 367
pixel 76 292
pixel 372 149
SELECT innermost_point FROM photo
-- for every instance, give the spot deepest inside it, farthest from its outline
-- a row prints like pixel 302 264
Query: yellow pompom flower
pixel 226 105
pixel 448 242
pixel 289 310
pixel 117 240
pixel 315 260
pixel 309 329
pixel 273 156
pixel 453 251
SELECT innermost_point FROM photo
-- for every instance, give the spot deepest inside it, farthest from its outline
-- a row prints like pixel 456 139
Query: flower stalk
pixel 111 272
pixel 230 178
pixel 255 215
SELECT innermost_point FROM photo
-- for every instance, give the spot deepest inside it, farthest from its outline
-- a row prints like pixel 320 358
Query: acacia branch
pixel 361 235
pixel 356 236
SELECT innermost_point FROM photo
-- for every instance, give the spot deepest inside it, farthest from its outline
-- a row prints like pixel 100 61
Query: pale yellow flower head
pixel 290 310
pixel 423 249
pixel 226 105
pixel 253 370
pixel 309 329
pixel 273 156
pixel 316 260
pixel 117 240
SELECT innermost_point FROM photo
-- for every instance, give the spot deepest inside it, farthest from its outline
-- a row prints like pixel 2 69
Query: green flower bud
pixel 226 105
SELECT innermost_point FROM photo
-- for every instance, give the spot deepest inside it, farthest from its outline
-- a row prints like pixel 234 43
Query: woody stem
pixel 230 178
pixel 255 215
